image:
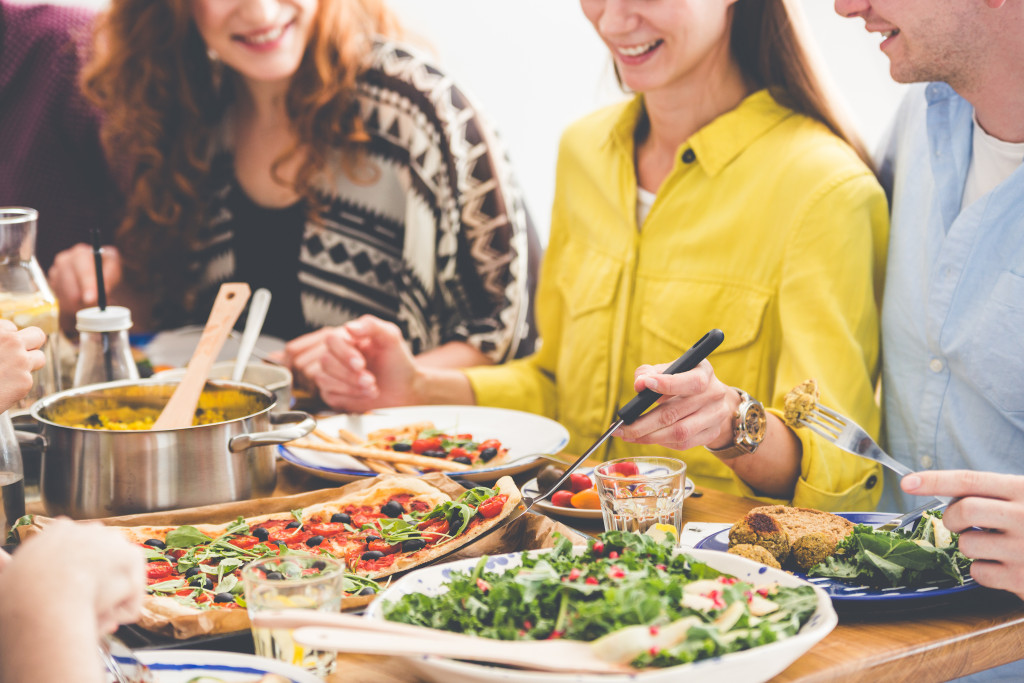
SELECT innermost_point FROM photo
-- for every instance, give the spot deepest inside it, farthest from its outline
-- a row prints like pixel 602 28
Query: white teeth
pixel 268 37
pixel 890 34
pixel 637 50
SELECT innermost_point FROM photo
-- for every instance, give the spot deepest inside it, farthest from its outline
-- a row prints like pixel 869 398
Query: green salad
pixel 883 559
pixel 640 602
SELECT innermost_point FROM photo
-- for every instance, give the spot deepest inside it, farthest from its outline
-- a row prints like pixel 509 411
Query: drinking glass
pixel 293 581
pixel 637 493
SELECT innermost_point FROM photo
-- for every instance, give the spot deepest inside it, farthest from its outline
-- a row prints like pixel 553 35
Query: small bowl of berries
pixel 576 497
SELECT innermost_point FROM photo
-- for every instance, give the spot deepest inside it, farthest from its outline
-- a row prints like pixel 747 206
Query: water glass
pixel 293 581
pixel 637 493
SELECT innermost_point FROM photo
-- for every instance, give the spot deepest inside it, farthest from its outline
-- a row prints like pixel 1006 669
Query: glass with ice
pixel 638 493
pixel 293 581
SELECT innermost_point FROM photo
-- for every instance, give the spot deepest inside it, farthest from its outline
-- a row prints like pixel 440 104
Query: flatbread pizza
pixel 396 524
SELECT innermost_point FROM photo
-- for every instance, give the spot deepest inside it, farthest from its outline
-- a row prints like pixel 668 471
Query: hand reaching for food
pixel 72 278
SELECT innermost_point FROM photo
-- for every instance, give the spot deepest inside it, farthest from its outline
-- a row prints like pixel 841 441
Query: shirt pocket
pixel 676 313
pixel 999 357
pixel 588 283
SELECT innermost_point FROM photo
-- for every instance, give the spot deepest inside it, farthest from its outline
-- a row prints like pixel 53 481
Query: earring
pixel 216 68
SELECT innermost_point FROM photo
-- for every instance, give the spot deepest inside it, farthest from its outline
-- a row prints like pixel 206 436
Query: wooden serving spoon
pixel 347 633
pixel 180 410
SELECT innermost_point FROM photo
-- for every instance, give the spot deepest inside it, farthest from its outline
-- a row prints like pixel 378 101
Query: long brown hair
pixel 162 99
pixel 769 47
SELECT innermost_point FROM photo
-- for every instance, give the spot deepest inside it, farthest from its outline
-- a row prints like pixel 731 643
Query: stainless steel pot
pixel 88 473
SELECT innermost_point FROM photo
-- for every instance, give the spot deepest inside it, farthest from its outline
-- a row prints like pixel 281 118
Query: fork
pixel 906 518
pixel 121 662
pixel 851 437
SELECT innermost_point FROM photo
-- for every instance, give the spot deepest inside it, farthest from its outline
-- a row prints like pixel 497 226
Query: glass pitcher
pixel 25 296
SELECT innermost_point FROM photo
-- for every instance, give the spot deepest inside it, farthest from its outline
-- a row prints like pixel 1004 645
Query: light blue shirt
pixel 953 311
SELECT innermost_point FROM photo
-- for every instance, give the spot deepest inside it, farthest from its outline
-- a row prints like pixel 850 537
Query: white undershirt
pixel 992 162
pixel 644 202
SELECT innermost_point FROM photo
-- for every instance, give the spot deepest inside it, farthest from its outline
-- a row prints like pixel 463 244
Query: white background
pixel 534 66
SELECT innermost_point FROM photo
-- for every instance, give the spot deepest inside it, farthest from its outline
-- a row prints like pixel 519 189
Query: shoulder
pixel 401 70
pixel 595 127
pixel 25 26
pixel 811 164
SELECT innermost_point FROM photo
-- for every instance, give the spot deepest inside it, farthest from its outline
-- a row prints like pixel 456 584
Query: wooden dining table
pixel 945 639
pixel 940 640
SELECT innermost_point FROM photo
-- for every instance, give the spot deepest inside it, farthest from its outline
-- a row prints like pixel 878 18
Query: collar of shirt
pixel 718 143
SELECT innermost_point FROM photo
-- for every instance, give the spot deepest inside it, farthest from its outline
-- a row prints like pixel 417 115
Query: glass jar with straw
pixel 104 351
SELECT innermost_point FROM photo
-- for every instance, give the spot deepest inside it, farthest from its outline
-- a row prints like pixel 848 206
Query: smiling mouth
pixel 268 36
pixel 638 50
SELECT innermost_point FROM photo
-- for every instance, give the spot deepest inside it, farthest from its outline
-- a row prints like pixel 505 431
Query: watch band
pixel 745 442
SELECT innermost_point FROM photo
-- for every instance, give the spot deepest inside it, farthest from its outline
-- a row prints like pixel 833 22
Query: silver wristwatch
pixel 749 427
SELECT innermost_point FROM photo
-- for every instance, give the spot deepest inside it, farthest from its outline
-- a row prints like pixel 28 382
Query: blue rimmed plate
pixel 182 666
pixel 841 591
pixel 529 439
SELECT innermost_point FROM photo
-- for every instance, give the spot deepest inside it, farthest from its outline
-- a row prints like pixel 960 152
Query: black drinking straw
pixel 101 299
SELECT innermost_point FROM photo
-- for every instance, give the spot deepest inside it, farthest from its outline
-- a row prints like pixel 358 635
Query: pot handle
pixel 301 425
pixel 27 429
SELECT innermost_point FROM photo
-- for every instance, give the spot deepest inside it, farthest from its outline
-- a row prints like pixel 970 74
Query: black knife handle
pixel 688 361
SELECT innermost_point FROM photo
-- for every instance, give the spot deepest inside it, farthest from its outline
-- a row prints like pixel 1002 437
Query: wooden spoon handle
pixel 228 305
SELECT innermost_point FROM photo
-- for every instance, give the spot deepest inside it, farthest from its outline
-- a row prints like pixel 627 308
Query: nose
pixel 260 10
pixel 617 17
pixel 852 8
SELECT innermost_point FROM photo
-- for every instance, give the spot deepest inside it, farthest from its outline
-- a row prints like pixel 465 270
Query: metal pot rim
pixel 53 399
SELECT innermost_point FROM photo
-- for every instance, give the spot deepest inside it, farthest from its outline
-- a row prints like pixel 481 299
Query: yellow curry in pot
pixel 136 407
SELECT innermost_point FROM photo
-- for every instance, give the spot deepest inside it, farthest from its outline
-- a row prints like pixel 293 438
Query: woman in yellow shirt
pixel 724 194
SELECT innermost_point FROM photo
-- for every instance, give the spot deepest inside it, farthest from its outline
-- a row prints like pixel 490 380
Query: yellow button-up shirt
pixel 768 227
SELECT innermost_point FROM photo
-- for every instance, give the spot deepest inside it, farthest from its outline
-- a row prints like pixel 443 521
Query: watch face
pixel 753 422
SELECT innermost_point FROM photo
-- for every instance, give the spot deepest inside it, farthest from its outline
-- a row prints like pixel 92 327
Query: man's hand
pixel 988 515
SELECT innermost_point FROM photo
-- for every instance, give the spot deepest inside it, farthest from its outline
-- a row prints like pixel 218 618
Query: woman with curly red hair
pixel 296 145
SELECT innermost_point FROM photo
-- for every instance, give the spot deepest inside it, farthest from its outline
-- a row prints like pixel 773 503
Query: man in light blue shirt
pixel 953 310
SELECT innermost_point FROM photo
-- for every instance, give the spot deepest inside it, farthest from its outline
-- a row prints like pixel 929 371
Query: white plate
pixel 750 666
pixel 528 438
pixel 181 666
pixel 530 488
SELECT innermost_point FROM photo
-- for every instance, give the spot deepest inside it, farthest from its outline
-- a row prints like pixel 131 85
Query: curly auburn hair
pixel 150 75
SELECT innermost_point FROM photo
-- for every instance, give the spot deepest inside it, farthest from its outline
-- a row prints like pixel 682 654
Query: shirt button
pixel 927 462
pixel 689 156
pixel 936 365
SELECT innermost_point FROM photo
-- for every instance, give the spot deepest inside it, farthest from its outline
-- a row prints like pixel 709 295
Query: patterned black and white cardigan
pixel 432 235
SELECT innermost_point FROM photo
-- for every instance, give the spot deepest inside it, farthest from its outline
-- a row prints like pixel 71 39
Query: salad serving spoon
pixel 348 633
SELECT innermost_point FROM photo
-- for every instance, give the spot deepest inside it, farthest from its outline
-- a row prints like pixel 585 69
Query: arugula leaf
pixel 895 558
pixel 12 533
pixel 395 530
pixel 169 586
pixel 185 537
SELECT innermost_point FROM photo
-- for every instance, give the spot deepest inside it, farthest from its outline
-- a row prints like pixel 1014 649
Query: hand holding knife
pixel 641 402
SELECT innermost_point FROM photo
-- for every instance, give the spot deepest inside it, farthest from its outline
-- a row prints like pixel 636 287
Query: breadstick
pixel 409 431
pixel 378 467
pixel 380 454
pixel 348 437
pixel 406 469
